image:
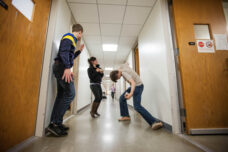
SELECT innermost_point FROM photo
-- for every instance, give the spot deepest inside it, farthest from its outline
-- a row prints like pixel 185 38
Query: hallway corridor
pixel 106 134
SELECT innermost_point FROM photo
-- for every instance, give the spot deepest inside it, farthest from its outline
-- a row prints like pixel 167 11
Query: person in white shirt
pixel 135 90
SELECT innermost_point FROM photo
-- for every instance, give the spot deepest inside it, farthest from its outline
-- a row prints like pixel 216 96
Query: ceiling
pixel 111 21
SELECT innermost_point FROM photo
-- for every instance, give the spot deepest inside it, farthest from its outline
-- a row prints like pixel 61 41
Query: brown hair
pixel 77 28
pixel 90 60
pixel 114 75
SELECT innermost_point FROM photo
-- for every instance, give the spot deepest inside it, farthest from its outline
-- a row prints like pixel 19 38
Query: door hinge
pixel 183 112
pixel 177 51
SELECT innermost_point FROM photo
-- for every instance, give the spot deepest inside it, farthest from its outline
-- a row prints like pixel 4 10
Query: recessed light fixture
pixel 108 68
pixel 110 47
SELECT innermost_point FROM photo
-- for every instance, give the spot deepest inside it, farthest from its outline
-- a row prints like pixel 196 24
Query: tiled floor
pixel 106 134
pixel 215 143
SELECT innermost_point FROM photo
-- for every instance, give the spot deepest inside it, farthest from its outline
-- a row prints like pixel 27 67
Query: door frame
pixel 177 65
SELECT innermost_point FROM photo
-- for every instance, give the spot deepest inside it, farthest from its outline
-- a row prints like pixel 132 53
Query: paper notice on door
pixel 205 46
pixel 221 42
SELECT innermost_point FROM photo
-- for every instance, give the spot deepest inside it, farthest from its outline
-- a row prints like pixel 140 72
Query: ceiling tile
pixel 110 39
pixel 85 12
pixel 136 15
pixel 111 13
pixel 91 29
pixel 131 30
pixel 141 2
pixel 127 40
pixel 94 47
pixel 118 2
pixel 92 39
pixel 82 1
pixel 110 29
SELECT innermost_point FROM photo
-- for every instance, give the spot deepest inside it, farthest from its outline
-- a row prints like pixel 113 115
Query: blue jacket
pixel 66 53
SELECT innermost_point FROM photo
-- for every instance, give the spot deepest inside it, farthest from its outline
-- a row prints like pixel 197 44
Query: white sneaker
pixel 157 125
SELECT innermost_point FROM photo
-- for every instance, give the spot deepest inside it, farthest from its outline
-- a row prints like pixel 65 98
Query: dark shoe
pixel 55 130
pixel 63 127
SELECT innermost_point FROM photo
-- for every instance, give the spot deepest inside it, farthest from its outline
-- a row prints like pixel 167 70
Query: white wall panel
pixel 83 92
pixel 62 26
pixel 155 55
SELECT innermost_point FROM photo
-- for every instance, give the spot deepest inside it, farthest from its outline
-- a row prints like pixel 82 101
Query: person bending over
pixel 65 85
pixel 134 91
pixel 95 74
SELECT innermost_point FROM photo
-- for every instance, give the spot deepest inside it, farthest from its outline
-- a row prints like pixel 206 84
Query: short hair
pixel 114 75
pixel 77 28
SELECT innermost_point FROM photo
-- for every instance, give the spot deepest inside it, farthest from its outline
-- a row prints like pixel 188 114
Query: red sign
pixel 201 44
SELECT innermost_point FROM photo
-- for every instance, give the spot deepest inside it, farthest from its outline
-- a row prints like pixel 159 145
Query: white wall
pixel 62 26
pixel 157 66
pixel 83 92
pixel 130 62
pixel 225 7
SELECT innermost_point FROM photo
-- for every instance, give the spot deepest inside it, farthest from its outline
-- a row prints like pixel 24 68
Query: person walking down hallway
pixel 135 90
pixel 113 91
pixel 65 85
pixel 95 74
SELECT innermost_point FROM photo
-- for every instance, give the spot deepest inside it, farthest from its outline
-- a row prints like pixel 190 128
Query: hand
pixel 101 71
pixel 127 95
pixel 81 47
pixel 67 75
pixel 98 70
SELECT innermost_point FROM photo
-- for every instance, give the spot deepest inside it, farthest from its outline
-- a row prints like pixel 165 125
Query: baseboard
pixel 83 108
pixel 200 146
pixel 166 125
pixel 23 144
pixel 209 131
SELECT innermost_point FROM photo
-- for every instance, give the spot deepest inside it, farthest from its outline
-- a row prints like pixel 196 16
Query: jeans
pixel 65 95
pixel 137 105
pixel 97 92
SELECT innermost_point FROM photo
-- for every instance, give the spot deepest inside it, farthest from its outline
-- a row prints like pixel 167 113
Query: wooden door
pixel 204 79
pixel 21 53
pixel 137 60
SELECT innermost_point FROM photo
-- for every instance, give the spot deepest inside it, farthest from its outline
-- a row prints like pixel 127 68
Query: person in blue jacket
pixel 65 85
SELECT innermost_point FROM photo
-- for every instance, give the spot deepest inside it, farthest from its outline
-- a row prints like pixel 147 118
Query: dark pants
pixel 137 105
pixel 113 95
pixel 97 92
pixel 65 95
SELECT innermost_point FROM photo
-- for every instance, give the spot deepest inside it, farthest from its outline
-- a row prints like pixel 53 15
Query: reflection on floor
pixel 106 134
pixel 215 143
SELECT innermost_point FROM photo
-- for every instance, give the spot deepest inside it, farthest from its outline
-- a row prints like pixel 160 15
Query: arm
pixel 132 83
pixel 76 54
pixel 64 51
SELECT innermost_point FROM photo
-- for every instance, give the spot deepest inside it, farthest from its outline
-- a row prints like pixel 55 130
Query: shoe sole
pixel 157 127
pixel 125 120
pixel 53 132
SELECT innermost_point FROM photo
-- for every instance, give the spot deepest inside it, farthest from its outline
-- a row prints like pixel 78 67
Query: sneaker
pixel 157 125
pixel 63 127
pixel 55 130
pixel 125 119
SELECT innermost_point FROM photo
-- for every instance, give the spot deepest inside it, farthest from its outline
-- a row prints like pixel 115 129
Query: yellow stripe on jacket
pixel 70 38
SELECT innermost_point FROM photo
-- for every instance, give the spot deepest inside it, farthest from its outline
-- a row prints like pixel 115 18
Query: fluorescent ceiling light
pixel 108 69
pixel 110 47
pixel 107 75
